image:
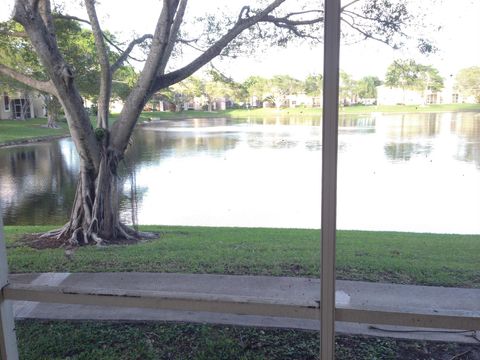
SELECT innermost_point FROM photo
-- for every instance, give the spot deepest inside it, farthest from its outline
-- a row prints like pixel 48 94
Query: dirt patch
pixel 35 241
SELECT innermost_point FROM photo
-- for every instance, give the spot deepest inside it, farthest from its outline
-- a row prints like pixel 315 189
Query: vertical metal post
pixel 331 69
pixel 8 340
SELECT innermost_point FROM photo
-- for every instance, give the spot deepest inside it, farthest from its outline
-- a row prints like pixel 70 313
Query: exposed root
pixel 140 235
pixel 70 239
pixel 98 240
pixel 94 219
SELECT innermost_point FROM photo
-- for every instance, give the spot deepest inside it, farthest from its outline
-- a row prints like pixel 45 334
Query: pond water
pixel 402 172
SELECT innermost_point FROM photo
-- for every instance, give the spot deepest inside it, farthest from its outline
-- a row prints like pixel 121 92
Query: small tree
pixel 468 82
pixel 256 88
pixel 53 108
pixel 347 88
pixel 366 87
pixel 282 85
pixel 313 85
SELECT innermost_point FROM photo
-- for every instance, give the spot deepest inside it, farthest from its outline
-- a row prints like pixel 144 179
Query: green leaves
pixel 468 82
pixel 407 74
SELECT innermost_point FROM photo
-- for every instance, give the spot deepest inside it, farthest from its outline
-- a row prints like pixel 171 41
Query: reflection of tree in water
pixel 363 123
pixel 407 135
pixel 36 184
pixel 286 120
pixel 150 146
pixel 405 127
pixel 405 151
pixel 467 127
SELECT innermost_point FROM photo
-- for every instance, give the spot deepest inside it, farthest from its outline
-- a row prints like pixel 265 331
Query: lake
pixel 398 172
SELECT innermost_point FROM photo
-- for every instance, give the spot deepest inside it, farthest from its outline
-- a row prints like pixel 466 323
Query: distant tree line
pixel 403 74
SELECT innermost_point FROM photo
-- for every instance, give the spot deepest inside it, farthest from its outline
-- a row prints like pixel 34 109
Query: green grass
pixel 17 131
pixel 429 259
pixel 103 340
pixel 14 130
pixel 266 112
pixel 406 258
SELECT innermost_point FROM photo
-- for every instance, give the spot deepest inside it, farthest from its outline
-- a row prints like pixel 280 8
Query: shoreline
pixel 32 140
pixel 396 257
pixel 147 118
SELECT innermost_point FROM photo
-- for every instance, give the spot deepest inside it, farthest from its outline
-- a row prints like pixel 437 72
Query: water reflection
pixel 397 172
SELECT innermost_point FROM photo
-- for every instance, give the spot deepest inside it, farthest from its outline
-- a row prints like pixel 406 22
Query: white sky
pixel 457 39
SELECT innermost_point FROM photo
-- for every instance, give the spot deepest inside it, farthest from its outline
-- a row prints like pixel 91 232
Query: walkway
pixel 280 291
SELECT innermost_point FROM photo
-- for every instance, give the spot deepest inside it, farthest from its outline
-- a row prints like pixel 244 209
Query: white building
pixel 21 105
pixel 396 96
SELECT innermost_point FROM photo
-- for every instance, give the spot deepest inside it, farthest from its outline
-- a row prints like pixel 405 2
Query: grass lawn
pixel 360 109
pixel 428 259
pixel 14 130
pixel 103 340
pixel 407 258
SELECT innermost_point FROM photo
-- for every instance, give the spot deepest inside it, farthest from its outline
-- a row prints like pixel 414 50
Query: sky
pixel 456 40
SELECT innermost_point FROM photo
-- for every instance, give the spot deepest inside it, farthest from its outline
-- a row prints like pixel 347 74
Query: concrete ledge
pixel 246 300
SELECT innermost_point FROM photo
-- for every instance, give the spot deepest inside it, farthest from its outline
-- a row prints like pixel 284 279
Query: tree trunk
pixel 52 121
pixel 53 107
pixel 95 213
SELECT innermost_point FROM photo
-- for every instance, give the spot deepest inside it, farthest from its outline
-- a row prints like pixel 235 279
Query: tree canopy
pixel 408 74
pixel 468 82
pixel 366 87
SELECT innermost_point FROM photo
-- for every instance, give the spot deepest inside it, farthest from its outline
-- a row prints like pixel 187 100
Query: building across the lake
pixel 387 95
pixel 21 105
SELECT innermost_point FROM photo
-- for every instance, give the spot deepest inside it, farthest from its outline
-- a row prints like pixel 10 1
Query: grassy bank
pixel 242 113
pixel 450 260
pixel 377 256
pixel 15 130
pixel 410 258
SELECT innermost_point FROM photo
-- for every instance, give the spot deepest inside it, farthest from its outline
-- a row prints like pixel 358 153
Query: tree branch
pixel 173 36
pixel 139 95
pixel 45 11
pixel 244 13
pixel 62 78
pixel 71 17
pixel 44 86
pixel 105 36
pixel 126 53
pixel 287 23
pixel 349 4
pixel 242 24
pixel 190 44
pixel 366 34
pixel 18 34
pixel 105 70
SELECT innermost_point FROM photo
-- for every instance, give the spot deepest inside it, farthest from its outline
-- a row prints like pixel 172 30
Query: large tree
pixel 94 215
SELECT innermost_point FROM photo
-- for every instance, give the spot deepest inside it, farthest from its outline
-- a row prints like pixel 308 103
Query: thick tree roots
pixel 95 214
pixel 80 236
